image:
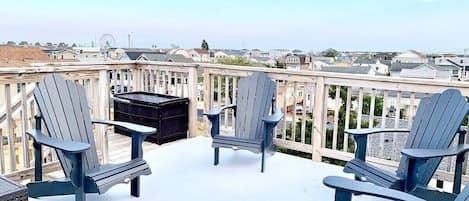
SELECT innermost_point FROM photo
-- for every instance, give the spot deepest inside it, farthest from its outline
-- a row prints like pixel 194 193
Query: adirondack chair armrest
pixel 217 110
pixel 66 146
pixel 346 187
pixel 273 118
pixel 434 153
pixel 135 128
pixel 368 131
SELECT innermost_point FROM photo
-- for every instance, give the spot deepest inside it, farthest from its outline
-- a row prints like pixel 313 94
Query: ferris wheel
pixel 107 41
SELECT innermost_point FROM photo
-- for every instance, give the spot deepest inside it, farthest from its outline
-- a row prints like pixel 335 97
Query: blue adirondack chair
pixel 64 110
pixel 254 125
pixel 436 123
pixel 344 188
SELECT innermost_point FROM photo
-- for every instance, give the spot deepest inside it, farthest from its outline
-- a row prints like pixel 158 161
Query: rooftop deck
pixel 183 170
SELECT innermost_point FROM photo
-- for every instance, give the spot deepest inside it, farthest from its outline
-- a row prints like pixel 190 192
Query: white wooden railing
pixel 312 102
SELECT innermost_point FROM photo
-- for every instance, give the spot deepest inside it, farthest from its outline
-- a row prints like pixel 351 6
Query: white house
pixel 430 71
pixel 410 56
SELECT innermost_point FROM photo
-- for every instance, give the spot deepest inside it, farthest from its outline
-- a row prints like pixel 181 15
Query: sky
pixel 310 25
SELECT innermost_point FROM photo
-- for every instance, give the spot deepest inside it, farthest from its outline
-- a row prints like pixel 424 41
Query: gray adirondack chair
pixel 344 188
pixel 436 123
pixel 64 110
pixel 254 126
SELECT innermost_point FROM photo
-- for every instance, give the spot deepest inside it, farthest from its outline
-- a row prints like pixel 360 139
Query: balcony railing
pixel 318 106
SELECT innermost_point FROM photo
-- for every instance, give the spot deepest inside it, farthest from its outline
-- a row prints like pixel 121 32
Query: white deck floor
pixel 184 171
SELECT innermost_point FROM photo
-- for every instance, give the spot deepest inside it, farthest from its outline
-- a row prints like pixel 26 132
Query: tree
pixel 238 61
pixel 330 53
pixel 204 45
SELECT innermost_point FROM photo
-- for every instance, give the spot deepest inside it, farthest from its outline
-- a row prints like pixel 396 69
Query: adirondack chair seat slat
pixel 109 175
pixel 253 145
pixel 374 174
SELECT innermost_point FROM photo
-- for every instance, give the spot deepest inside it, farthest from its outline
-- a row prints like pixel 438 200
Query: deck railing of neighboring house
pixel 318 105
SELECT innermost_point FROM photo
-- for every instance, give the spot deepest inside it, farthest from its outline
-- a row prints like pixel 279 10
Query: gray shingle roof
pixel 350 70
pixel 396 67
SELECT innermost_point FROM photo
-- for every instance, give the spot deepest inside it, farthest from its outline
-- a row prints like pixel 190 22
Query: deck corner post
pixel 318 121
pixel 192 83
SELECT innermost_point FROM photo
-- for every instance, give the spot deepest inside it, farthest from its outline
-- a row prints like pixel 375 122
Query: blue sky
pixel 426 25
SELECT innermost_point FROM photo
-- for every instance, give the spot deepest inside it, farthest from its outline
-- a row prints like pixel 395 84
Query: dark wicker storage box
pixel 11 191
pixel 168 114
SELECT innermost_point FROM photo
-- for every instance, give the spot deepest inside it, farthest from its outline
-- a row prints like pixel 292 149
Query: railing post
pixel 103 112
pixel 192 86
pixel 318 120
pixel 207 96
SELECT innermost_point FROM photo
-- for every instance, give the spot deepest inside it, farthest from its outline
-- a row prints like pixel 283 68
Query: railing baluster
pixel 24 125
pixel 411 108
pixel 371 118
pixel 360 108
pixel 176 84
pixel 395 155
pixel 324 115
pixel 152 81
pixel 2 155
pixel 227 86
pixel 347 117
pixel 336 117
pixel 233 92
pixel 10 129
pixel 293 121
pixel 114 77
pixel 219 97
pixel 303 118
pixel 312 98
pixel 383 123
pixel 285 109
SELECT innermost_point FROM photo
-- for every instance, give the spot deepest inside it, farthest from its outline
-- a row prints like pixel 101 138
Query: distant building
pixel 410 56
pixel 431 71
pixel 21 56
pixel 298 62
pixel 277 53
pixel 350 70
pixel 396 68
pixel 373 63
pixel 164 58
pixel 89 54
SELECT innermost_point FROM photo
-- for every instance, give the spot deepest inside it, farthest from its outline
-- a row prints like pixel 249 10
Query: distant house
pixel 431 71
pixel 154 56
pixel 350 70
pixel 410 56
pixel 463 64
pixel 373 63
pixel 396 68
pixel 196 54
pixel 89 53
pixel 297 61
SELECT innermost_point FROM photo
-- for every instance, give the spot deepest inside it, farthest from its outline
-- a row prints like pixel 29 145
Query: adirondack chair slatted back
pixel 65 112
pixel 255 94
pixel 435 125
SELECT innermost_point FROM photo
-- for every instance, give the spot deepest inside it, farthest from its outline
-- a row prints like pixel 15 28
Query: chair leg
pixel 263 160
pixel 135 187
pixel 342 196
pixel 217 154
